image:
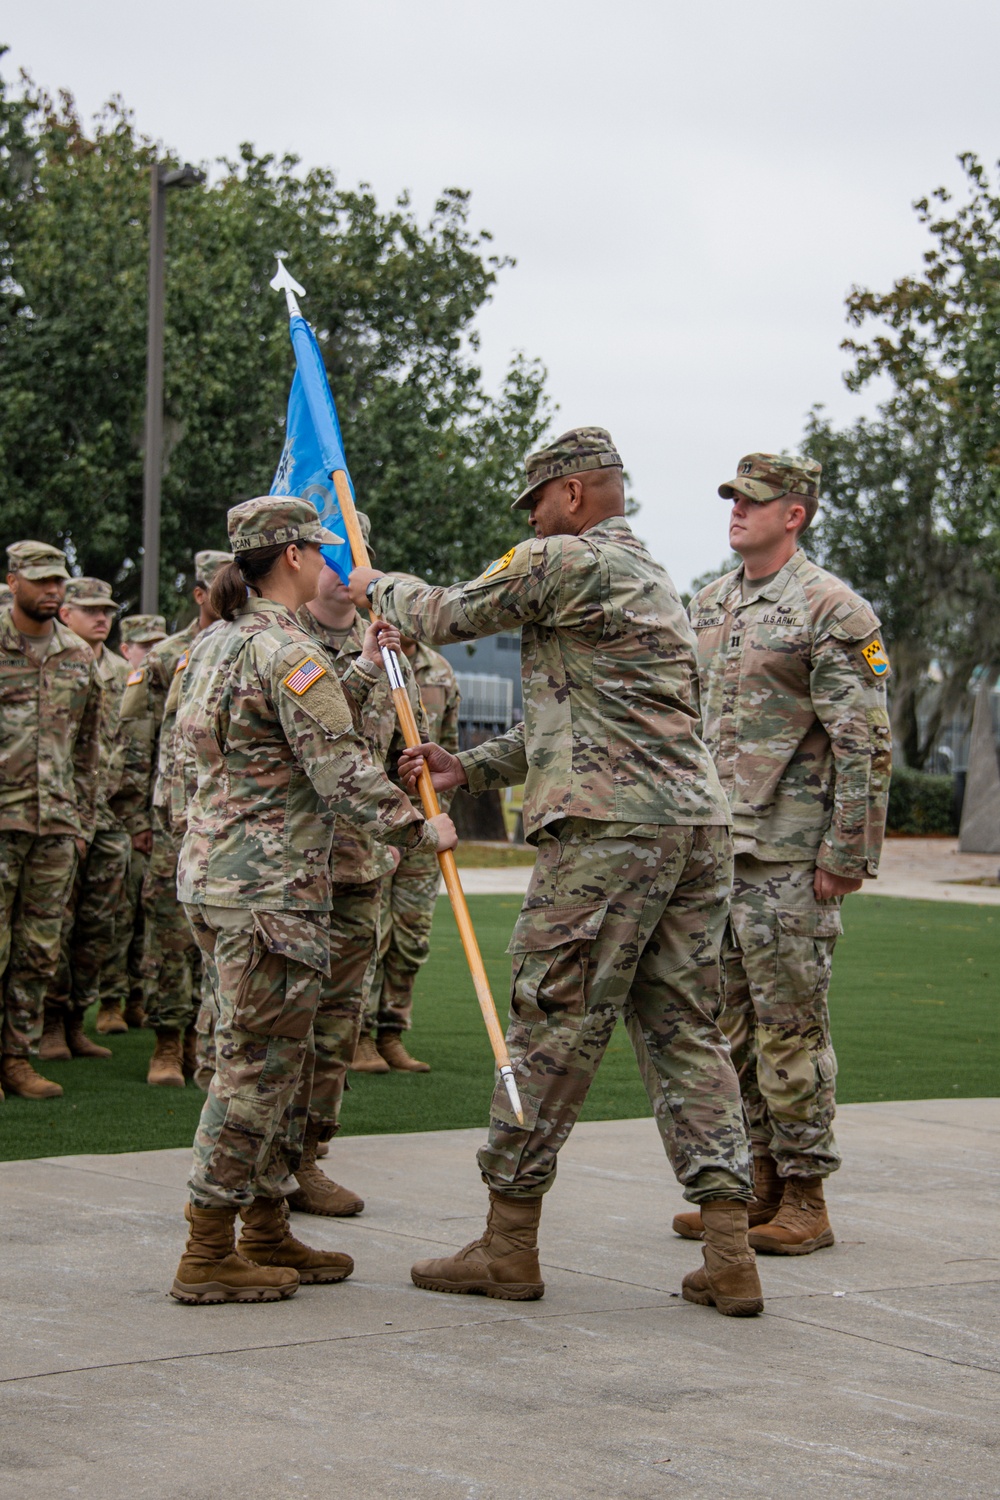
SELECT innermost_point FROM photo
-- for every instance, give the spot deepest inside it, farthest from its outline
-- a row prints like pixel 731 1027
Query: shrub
pixel 921 803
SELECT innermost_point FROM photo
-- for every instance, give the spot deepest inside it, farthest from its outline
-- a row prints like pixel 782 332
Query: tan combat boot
pixel 165 1065
pixel 19 1077
pixel 79 1043
pixel 316 1193
pixel 801 1224
pixel 502 1263
pixel 390 1047
pixel 212 1270
pixel 267 1240
pixel 761 1209
pixel 110 1020
pixel 135 1016
pixel 366 1059
pixel 53 1047
pixel 728 1279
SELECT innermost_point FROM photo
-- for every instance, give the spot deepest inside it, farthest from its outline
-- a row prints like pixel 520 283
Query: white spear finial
pixel 285 282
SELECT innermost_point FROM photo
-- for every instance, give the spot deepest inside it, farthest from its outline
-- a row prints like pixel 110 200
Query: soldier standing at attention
pixel 272 761
pixel 50 740
pixel 793 678
pixel 627 902
pixel 170 963
pixel 89 921
pixel 359 866
pixel 410 892
pixel 121 979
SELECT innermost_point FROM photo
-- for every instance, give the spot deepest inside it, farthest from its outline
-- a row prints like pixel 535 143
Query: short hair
pixel 809 503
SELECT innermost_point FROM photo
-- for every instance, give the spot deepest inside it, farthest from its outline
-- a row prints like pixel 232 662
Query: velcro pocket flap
pixel 856 626
pixel 815 924
pixel 540 928
pixel 294 936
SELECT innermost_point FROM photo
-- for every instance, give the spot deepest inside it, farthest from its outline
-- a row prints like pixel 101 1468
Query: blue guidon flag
pixel 314 448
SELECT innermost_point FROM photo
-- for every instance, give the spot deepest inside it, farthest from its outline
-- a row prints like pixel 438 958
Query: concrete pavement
pixel 875 1370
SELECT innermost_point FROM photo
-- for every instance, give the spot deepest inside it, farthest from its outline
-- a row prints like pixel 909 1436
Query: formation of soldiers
pixel 702 790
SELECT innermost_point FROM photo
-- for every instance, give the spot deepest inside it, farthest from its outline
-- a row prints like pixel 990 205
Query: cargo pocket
pixel 806 940
pixel 278 990
pixel 551 965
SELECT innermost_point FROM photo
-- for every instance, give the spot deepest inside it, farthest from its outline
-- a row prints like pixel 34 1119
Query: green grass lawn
pixel 915 1009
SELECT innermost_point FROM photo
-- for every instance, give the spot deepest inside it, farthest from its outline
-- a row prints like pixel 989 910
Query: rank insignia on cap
pixel 134 678
pixel 874 655
pixel 500 564
pixel 306 673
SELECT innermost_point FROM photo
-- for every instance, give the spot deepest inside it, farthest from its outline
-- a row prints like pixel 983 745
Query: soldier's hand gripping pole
pixel 429 798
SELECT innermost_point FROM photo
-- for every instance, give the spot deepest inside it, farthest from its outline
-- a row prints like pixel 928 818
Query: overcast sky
pixel 689 190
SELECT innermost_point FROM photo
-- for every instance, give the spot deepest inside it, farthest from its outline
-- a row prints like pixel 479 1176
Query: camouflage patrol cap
pixel 89 593
pixel 273 520
pixel 364 521
pixel 207 564
pixel 574 452
pixel 770 476
pixel 143 630
pixel 36 560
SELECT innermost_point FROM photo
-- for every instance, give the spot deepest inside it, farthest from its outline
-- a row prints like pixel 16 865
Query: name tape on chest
pixel 306 673
pixel 134 678
pixel 500 564
pixel 874 655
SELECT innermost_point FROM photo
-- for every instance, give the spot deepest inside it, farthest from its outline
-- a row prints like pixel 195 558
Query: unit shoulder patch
pixel 874 655
pixel 306 673
pixel 501 564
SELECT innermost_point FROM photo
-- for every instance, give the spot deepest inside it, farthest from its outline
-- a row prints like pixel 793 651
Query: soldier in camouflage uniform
pixel 410 893
pixel 359 867
pixel 171 965
pixel 89 921
pixel 50 741
pixel 271 760
pixel 793 678
pixel 627 902
pixel 121 977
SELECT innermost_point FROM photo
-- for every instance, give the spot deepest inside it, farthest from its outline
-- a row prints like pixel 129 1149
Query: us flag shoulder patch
pixel 306 673
pixel 134 678
pixel 182 662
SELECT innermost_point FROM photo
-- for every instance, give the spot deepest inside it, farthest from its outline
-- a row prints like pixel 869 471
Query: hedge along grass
pixel 914 1005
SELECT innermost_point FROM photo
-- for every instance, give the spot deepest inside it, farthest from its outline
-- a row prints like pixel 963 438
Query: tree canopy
pixel 433 455
pixel 911 496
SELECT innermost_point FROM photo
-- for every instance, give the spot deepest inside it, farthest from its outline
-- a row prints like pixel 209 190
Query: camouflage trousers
pixel 36 878
pixel 620 924
pixel 354 932
pixel 170 962
pixel 121 975
pixel 266 969
pixel 777 961
pixel 88 928
pixel 409 897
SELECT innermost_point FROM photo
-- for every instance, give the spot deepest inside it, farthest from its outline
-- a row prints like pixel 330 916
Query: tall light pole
pixel 161 178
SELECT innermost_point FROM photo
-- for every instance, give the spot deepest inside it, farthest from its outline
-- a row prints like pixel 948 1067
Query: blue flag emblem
pixel 314 448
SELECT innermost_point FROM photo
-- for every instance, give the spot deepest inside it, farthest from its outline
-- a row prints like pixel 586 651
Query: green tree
pixel 394 302
pixel 911 497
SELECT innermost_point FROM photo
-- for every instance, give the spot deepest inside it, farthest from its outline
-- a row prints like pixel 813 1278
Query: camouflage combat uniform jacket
pixel 271 761
pixel 112 671
pixel 143 707
pixel 439 695
pixel 50 734
pixel 357 858
pixel 794 706
pixel 610 730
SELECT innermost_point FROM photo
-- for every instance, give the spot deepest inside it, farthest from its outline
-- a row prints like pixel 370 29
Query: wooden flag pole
pixel 429 798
